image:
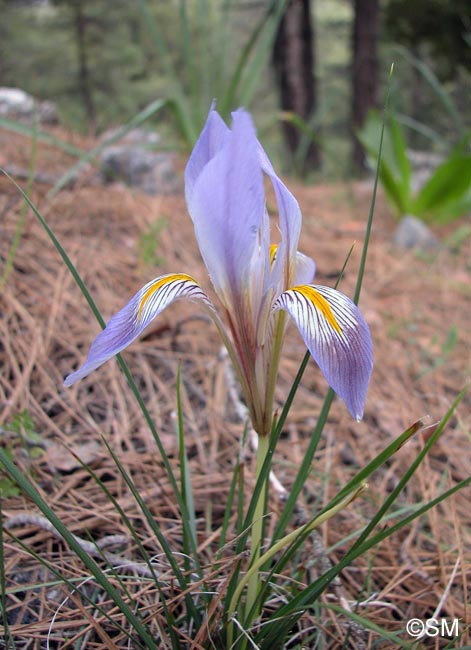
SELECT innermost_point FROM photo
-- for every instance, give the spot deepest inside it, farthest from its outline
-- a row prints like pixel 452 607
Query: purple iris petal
pixel 305 269
pixel 213 138
pixel 338 338
pixel 288 209
pixel 226 203
pixel 129 323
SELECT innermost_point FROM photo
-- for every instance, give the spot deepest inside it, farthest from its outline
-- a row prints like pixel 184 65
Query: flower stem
pixel 273 368
pixel 257 529
pixel 290 538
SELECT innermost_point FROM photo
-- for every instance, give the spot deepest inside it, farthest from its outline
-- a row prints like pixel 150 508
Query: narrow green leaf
pixel 364 623
pixel 293 609
pixel 226 103
pixel 21 219
pixel 9 641
pixel 438 88
pixel 447 191
pixel 29 490
pixel 422 129
pixel 188 515
pixel 83 288
pixel 41 136
pixel 403 165
pixel 252 72
pixel 236 482
pixel 74 585
pixel 364 254
pixel 378 461
pixel 170 555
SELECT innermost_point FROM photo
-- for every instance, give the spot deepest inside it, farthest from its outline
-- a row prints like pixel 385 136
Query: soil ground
pixel 418 308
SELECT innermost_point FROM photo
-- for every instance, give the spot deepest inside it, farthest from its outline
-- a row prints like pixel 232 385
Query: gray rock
pixel 413 233
pixel 17 104
pixel 148 171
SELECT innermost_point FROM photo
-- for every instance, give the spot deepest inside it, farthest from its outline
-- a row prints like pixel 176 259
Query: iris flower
pixel 258 283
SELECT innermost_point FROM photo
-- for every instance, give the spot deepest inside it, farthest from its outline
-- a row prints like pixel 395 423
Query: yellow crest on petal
pixel 320 303
pixel 158 284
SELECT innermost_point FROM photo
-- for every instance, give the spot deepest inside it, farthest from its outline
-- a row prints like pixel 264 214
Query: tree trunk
pixel 293 58
pixel 364 69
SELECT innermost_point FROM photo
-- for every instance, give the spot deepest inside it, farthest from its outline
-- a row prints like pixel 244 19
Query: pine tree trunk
pixel 364 69
pixel 293 58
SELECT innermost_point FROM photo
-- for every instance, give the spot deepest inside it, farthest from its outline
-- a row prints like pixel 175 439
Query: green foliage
pixel 8 487
pixel 226 614
pixel 445 196
pixel 443 26
pixel 19 431
pixel 20 223
pixel 105 61
pixel 213 65
pixel 454 121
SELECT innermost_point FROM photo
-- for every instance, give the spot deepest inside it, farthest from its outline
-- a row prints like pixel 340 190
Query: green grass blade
pixel 365 624
pixel 251 72
pixel 294 608
pixel 21 219
pixel 41 136
pixel 237 484
pixel 83 288
pixel 353 485
pixel 177 98
pixel 29 490
pixel 165 59
pixel 308 129
pixel 438 88
pixel 179 576
pixel 403 164
pixel 127 522
pixel 422 129
pixel 305 467
pixel 9 641
pixel 188 515
pixel 189 63
pixel 408 474
pixel 226 103
pixel 75 584
pixel 447 193
pixel 364 253
pixel 377 461
pixel 221 38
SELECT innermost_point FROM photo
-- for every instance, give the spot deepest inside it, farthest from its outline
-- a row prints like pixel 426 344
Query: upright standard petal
pixel 125 326
pixel 289 214
pixel 213 138
pixel 305 269
pixel 226 204
pixel 338 338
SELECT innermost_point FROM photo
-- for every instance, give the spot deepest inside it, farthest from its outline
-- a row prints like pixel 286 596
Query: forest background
pixel 326 62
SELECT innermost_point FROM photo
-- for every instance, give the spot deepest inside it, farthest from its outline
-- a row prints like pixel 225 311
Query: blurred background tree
pixel 98 60
pixel 364 75
pixel 293 58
